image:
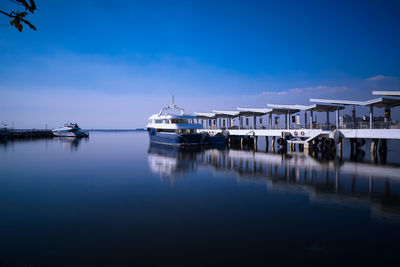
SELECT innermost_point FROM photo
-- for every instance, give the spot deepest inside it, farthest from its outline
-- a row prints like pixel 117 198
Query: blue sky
pixel 112 64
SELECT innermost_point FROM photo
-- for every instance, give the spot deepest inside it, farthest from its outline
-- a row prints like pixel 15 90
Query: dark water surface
pixel 113 200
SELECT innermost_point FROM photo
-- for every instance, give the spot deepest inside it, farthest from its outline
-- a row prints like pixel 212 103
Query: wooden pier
pixel 10 134
pixel 308 134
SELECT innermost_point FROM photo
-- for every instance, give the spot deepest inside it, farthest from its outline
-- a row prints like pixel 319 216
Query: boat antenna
pixel 172 106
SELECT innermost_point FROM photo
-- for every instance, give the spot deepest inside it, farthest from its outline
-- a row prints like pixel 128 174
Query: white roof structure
pixel 383 102
pixel 283 109
pixel 300 107
pixel 205 115
pixel 254 111
pixel 226 113
pixel 387 93
pixel 378 102
pixel 338 102
pixel 314 107
pixel 324 108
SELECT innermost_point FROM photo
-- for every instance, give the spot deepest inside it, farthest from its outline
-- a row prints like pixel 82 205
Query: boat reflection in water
pixel 171 162
pixel 332 180
pixel 70 143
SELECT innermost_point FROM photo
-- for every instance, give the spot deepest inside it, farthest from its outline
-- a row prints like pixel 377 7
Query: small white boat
pixel 70 130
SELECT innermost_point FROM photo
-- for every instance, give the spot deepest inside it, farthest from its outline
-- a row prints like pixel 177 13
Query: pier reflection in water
pixel 113 200
pixel 323 177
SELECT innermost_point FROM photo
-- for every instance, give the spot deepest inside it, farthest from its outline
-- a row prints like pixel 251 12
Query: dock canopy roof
pixel 226 113
pixel 378 102
pixel 205 115
pixel 254 111
pixel 383 102
pixel 283 109
pixel 324 108
pixel 314 107
pixel 338 102
pixel 387 93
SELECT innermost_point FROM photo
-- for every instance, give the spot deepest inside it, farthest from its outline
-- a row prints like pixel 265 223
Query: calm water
pixel 113 200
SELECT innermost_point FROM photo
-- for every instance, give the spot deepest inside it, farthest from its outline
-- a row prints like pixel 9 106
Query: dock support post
pixel 327 118
pixel 337 118
pixel 311 119
pixel 255 142
pixel 374 144
pixel 266 143
pixel 374 148
pixel 305 119
pixel 383 150
pixel 383 146
pixel 371 116
pixel 241 142
pixel 273 144
pixel 340 143
pixel 353 144
pixel 270 121
pixel 286 121
pixel 292 147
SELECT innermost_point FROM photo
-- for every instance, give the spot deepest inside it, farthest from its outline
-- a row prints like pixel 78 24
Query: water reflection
pixel 171 163
pixel 323 178
pixel 70 143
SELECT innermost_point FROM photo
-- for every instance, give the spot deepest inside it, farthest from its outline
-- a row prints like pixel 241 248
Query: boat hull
pixel 70 134
pixel 175 139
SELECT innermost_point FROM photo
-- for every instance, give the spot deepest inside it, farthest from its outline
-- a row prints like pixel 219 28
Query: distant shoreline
pixel 89 130
pixel 116 130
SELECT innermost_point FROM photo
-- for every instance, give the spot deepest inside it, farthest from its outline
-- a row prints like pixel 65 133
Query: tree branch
pixel 1 11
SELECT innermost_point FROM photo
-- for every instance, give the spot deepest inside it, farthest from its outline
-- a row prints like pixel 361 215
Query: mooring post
pixel 352 145
pixel 374 144
pixel 266 143
pixel 241 142
pixel 383 146
pixel 255 142
pixel 340 147
pixel 273 144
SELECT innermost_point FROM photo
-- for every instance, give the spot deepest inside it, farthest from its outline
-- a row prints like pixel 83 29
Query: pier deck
pixel 307 133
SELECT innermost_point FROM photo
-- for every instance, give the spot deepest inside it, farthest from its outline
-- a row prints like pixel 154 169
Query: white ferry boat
pixel 70 130
pixel 174 129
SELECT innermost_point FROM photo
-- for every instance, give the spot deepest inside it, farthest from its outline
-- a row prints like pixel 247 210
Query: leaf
pixel 16 22
pixel 29 24
pixel 31 7
pixel 22 14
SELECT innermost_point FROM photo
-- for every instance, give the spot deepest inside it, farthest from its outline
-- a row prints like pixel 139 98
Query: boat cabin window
pixel 186 131
pixel 165 130
pixel 177 121
pixel 158 121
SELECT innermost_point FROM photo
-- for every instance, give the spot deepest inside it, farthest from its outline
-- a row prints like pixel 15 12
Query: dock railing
pixel 321 126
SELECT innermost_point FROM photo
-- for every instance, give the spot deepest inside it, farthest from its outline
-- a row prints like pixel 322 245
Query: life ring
pixel 296 133
pixel 302 133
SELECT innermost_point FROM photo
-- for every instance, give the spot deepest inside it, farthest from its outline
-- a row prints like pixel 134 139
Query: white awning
pixel 386 93
pixel 226 113
pixel 254 111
